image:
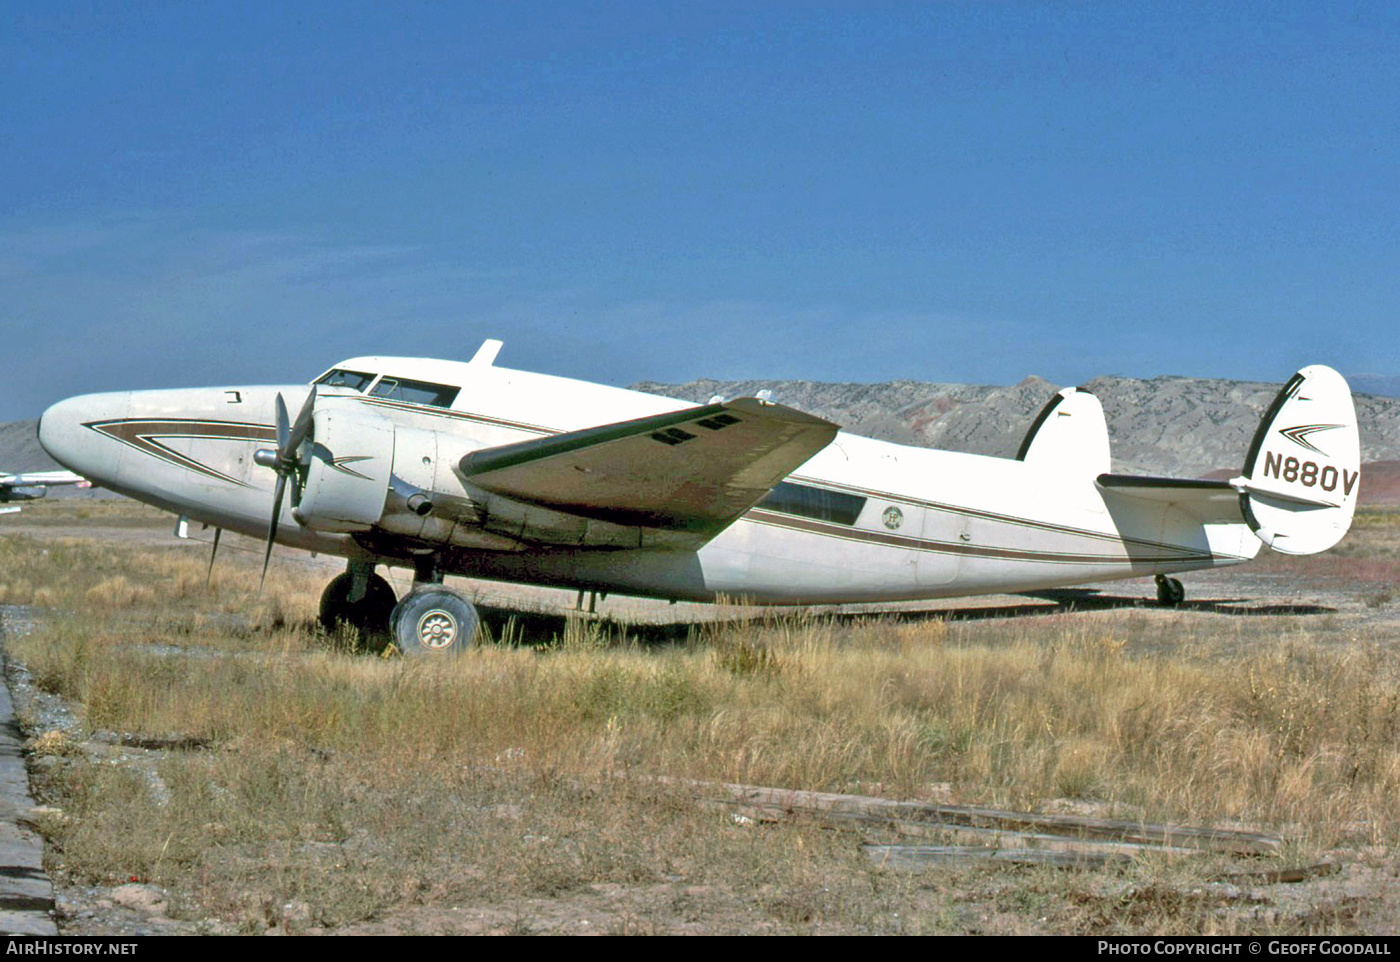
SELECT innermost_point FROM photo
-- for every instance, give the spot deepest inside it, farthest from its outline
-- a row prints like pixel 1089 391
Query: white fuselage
pixel 921 523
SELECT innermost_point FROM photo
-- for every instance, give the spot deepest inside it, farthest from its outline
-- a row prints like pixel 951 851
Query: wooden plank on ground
pixel 985 837
pixel 854 808
pixel 917 857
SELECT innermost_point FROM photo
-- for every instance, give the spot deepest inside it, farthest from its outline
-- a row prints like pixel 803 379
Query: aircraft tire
pixel 370 616
pixel 434 621
pixel 1169 591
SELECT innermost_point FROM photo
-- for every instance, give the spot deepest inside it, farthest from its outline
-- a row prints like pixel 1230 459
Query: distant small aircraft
pixel 478 470
pixel 34 485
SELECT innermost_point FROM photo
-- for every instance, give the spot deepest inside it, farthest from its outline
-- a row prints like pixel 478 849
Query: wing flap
pixel 694 470
pixel 1209 502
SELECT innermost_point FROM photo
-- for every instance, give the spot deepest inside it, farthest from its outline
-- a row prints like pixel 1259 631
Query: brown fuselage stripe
pixel 410 408
pixel 989 515
pixel 828 529
pixel 142 434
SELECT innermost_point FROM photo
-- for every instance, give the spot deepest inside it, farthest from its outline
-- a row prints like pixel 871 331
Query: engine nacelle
pixel 364 472
pixel 348 471
pixel 426 500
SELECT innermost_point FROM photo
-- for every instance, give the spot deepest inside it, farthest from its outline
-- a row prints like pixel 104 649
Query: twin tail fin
pixel 1302 475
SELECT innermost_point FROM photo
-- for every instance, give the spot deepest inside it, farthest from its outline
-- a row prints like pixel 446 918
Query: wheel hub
pixel 437 629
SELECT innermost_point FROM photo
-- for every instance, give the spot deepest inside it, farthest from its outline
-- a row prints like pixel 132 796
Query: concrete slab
pixel 26 893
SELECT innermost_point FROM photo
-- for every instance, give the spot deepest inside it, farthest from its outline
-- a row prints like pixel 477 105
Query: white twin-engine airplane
pixel 477 470
pixel 32 485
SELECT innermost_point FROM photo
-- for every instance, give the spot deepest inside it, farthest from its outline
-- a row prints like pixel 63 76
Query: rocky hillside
pixel 1181 427
pixel 19 448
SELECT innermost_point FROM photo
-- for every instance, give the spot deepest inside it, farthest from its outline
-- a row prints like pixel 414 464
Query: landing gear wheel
pixel 1169 591
pixel 434 621
pixel 369 616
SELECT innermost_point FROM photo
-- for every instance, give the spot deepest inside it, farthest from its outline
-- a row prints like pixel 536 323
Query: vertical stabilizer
pixel 1069 436
pixel 1303 472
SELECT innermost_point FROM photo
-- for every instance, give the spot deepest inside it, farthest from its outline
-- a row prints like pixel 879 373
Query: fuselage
pixel 863 520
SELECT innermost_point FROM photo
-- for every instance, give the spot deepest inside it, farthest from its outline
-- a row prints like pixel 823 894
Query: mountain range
pixel 1170 426
pixel 1167 426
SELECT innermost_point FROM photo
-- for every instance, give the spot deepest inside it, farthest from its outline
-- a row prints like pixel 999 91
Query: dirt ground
pixel 1339 608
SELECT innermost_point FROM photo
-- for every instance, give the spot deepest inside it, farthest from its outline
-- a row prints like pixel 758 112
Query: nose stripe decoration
pixel 146 436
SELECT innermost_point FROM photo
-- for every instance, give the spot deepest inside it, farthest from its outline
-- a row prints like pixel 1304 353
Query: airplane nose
pixel 65 435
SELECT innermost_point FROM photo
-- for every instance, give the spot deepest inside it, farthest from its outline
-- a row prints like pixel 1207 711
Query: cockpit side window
pixel 416 392
pixel 356 380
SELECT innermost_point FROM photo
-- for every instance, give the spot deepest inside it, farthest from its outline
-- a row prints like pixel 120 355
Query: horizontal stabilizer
pixel 1209 502
pixel 694 470
pixel 1300 481
pixel 1245 486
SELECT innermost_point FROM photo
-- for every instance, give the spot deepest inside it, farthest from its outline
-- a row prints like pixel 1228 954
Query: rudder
pixel 1302 475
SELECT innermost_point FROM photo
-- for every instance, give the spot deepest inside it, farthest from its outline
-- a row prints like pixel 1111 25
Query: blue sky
pixel 243 193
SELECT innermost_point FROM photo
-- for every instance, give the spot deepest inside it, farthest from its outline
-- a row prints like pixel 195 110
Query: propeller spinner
pixel 285 461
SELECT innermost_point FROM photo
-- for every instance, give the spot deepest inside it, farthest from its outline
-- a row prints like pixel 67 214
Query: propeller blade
pixel 301 429
pixel 290 437
pixel 209 575
pixel 284 431
pixel 272 527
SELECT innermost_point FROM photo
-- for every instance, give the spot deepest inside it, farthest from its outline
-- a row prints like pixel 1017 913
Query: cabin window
pixel 416 392
pixel 355 380
pixel 809 502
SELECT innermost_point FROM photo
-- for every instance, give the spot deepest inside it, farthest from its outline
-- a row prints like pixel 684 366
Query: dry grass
pixel 366 788
pixel 1369 557
pixel 110 511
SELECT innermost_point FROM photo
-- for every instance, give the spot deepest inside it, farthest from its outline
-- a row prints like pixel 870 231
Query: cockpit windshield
pixel 355 380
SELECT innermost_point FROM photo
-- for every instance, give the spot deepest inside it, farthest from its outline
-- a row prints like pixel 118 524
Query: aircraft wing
pixel 44 478
pixel 694 471
pixel 1209 502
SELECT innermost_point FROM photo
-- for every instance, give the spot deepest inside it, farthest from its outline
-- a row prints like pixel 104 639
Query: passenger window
pixel 809 502
pixel 416 392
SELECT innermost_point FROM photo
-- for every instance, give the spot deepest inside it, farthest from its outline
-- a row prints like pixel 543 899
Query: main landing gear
pixel 360 600
pixel 430 620
pixel 1170 593
pixel 434 621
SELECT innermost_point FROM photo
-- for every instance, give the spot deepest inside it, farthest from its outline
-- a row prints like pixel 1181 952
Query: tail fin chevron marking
pixel 1300 433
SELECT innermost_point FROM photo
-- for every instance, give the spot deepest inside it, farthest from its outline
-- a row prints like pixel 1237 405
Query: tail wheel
pixel 1169 591
pixel 434 621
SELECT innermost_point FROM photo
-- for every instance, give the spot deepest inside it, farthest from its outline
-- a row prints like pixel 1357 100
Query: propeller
pixel 209 575
pixel 284 461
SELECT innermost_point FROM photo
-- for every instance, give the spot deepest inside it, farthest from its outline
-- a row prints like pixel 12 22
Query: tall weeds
pixel 1281 723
